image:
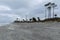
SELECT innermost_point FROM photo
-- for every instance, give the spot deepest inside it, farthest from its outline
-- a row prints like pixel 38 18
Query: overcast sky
pixel 11 9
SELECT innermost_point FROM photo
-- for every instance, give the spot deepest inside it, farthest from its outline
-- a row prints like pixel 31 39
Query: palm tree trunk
pixel 49 14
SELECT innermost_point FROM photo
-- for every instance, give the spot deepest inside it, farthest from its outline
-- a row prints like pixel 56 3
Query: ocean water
pixel 2 24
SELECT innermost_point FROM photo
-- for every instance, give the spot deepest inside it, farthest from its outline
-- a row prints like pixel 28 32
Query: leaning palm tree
pixel 38 19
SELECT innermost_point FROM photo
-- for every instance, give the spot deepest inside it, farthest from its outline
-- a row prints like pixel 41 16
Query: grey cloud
pixel 22 8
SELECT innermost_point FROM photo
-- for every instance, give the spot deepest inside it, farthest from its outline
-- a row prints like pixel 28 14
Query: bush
pixel 34 19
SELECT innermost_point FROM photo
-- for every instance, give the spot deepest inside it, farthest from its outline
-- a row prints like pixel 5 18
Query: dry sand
pixel 30 31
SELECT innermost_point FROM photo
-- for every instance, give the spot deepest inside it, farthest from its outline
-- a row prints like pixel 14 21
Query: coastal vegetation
pixel 49 7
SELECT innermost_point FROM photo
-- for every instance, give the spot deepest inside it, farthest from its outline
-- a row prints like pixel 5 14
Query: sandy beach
pixel 30 31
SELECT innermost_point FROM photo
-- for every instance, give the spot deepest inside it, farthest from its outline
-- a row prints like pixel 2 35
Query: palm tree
pixel 38 19
pixel 48 6
pixel 53 6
